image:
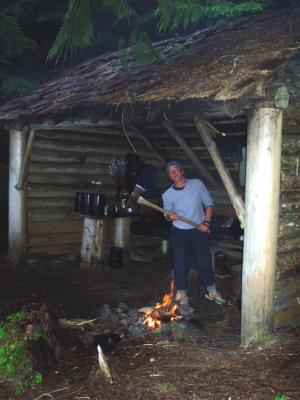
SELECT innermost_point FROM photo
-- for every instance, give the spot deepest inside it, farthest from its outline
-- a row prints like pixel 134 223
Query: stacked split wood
pixel 62 163
pixel 287 286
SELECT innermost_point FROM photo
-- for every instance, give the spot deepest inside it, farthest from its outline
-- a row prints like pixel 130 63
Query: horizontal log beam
pixel 51 203
pixel 287 262
pixel 285 311
pixel 286 288
pixel 286 245
pixel 56 238
pixel 57 249
pixel 66 226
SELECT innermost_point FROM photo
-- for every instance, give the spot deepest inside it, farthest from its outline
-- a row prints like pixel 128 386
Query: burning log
pixel 167 311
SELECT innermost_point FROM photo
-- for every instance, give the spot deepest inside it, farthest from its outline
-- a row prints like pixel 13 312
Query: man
pixel 190 198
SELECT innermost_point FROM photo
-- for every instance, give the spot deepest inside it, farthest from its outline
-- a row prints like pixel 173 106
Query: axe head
pixel 136 193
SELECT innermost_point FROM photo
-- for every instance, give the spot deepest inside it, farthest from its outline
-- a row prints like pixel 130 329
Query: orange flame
pixel 152 320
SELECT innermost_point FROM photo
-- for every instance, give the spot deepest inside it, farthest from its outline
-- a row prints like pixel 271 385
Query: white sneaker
pixel 215 296
pixel 182 298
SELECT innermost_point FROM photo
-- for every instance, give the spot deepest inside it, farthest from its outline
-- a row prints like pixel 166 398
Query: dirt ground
pixel 208 365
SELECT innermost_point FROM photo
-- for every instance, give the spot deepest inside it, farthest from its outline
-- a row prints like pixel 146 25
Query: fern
pixel 173 13
pixel 76 31
pixel 221 8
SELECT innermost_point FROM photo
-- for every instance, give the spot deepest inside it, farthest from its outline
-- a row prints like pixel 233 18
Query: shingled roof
pixel 222 63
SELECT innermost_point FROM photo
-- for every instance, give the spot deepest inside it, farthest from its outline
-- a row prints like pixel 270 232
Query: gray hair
pixel 174 163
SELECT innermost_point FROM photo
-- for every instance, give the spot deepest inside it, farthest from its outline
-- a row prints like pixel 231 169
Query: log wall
pixel 287 286
pixel 62 163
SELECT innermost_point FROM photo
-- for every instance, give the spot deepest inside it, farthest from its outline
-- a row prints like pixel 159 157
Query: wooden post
pixel 17 224
pixel 261 216
pixel 233 194
pixel 26 161
pixel 190 153
pixel 94 246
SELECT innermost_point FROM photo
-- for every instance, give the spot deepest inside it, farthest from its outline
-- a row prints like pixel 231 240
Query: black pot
pixel 98 205
pixel 78 207
pixel 87 203
pixel 115 257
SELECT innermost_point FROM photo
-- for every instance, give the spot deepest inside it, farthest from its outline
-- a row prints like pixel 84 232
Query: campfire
pixel 167 311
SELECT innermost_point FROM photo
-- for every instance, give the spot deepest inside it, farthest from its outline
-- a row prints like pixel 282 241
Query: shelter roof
pixel 220 63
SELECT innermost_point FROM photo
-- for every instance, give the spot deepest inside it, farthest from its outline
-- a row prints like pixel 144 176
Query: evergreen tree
pixel 168 15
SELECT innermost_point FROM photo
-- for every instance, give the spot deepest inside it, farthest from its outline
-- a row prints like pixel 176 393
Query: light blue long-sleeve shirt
pixel 188 202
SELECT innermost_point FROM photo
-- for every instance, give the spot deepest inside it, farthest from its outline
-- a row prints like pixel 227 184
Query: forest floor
pixel 210 364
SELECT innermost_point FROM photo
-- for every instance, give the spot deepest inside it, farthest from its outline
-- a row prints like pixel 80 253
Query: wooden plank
pixel 70 179
pixel 287 262
pixel 50 227
pixel 56 249
pixel 56 238
pixel 67 169
pixel 73 124
pixel 55 191
pixel 82 148
pixel 56 214
pixel 51 203
pixel 289 244
pixel 65 157
pixel 190 153
pixel 290 183
pixel 290 207
pixel 288 287
pixel 235 197
pixel 286 310
pixel 108 139
pixel 289 225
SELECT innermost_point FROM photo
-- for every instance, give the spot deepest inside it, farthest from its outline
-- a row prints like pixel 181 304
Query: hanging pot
pixel 87 203
pixel 115 257
pixel 78 207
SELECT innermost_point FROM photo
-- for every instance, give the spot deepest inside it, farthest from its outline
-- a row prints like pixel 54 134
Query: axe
pixel 137 198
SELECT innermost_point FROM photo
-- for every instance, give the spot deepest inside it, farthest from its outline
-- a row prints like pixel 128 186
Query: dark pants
pixel 186 245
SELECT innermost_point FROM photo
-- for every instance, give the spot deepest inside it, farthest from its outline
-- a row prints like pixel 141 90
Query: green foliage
pixel 17 85
pixel 15 363
pixel 173 14
pixel 13 42
pixel 281 398
pixel 76 31
pixel 121 8
pixel 168 15
pixel 141 48
pixel 222 8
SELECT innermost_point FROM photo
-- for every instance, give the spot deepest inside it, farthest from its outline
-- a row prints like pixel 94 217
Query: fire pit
pixel 166 312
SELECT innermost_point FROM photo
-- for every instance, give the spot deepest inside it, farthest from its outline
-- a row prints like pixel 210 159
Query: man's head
pixel 175 171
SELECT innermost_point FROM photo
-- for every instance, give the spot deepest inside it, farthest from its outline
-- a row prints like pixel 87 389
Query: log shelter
pixel 240 80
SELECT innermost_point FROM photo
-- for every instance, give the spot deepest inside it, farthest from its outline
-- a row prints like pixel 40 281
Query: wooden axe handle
pixel 144 202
